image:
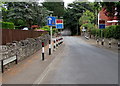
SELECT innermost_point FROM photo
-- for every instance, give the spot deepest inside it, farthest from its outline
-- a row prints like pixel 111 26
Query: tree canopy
pixel 56 7
pixel 72 14
pixel 24 13
pixel 112 8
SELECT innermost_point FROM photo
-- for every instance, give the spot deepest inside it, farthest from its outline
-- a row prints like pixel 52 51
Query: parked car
pixel 25 28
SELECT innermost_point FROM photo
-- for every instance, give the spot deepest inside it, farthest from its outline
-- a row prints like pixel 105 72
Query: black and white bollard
pixel 109 44
pixel 61 40
pixel 54 46
pixel 43 51
pixel 102 43
pixel 49 47
pixel 16 61
pixel 56 43
pixel 97 41
pixel 2 66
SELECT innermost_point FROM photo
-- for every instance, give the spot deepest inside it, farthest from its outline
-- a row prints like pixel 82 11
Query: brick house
pixel 108 20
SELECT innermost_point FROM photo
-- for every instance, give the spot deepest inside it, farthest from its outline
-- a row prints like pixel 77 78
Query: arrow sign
pixel 51 21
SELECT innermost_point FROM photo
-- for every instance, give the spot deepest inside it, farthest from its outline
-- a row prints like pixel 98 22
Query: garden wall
pixel 22 49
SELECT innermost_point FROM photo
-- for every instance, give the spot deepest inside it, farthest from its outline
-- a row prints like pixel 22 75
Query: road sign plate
pixel 102 26
pixel 59 23
pixel 59 26
pixel 51 21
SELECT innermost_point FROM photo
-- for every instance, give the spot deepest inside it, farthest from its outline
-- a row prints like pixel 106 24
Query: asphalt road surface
pixel 81 63
pixel 76 62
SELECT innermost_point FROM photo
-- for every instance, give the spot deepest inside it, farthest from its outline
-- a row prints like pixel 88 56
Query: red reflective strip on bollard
pixel 42 44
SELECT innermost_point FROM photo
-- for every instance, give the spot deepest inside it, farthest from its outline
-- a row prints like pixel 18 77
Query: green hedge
pixel 7 25
pixel 47 28
pixel 109 32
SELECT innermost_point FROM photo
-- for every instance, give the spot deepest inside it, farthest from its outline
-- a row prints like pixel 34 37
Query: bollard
pixel 62 40
pixel 97 41
pixel 54 45
pixel 16 61
pixel 43 51
pixel 59 41
pixel 102 43
pixel 2 67
pixel 49 47
pixel 109 44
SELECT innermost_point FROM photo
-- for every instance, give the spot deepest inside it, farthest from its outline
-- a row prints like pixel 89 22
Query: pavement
pixel 94 43
pixel 28 70
pixel 74 62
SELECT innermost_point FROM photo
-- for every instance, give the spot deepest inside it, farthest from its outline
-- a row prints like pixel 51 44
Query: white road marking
pixel 44 74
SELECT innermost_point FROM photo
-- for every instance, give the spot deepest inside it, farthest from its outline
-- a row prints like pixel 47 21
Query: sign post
pixel 51 22
pixel 102 26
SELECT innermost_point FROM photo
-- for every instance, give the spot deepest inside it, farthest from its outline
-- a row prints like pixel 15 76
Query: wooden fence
pixel 10 35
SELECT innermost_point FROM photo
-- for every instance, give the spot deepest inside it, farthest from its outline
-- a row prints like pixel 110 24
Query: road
pixel 76 63
pixel 81 63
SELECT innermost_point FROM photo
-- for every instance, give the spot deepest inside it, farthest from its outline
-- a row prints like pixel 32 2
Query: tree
pixel 72 14
pixel 19 12
pixel 25 13
pixel 56 7
pixel 87 17
pixel 97 8
pixel 112 9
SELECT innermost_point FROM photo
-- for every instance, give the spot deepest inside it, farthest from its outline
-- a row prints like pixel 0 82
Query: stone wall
pixel 23 48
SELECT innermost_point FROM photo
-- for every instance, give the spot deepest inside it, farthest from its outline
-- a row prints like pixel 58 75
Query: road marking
pixel 43 75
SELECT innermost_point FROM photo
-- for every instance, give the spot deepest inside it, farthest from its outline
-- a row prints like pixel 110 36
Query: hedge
pixel 47 28
pixel 7 25
pixel 108 32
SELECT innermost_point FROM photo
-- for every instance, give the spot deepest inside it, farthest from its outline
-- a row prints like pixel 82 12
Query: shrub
pixel 89 26
pixel 47 28
pixel 7 25
pixel 109 32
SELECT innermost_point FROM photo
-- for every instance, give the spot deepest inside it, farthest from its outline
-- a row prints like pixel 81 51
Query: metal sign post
pixel 51 22
pixel 51 38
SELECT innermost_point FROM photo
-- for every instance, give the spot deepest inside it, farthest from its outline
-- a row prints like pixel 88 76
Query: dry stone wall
pixel 24 48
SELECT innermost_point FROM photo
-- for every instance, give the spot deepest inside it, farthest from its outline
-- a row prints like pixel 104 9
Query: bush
pixel 89 26
pixel 7 25
pixel 47 28
pixel 109 32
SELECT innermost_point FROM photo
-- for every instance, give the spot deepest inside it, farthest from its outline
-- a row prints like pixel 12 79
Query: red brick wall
pixel 102 16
